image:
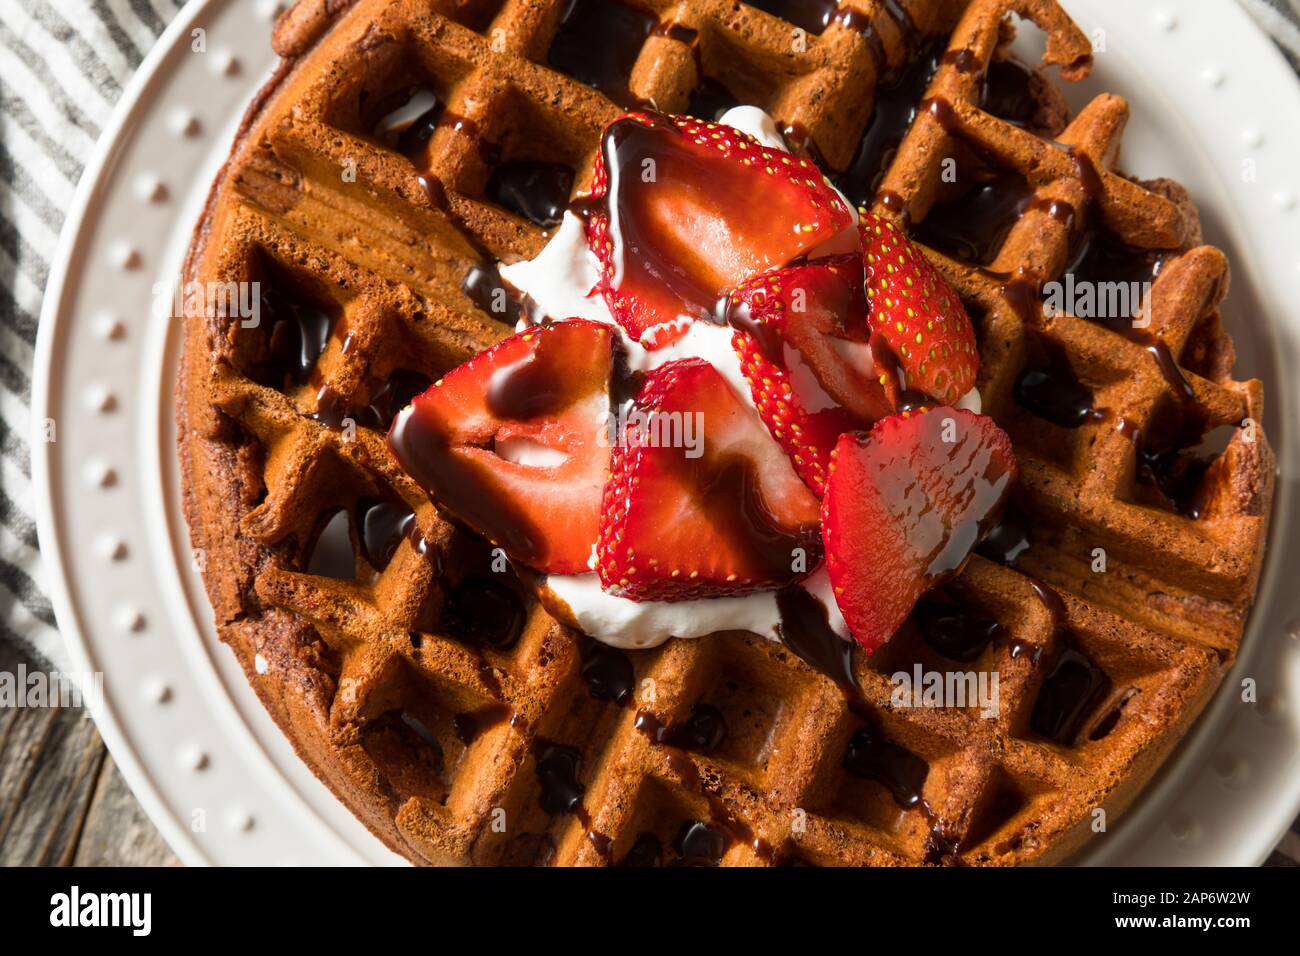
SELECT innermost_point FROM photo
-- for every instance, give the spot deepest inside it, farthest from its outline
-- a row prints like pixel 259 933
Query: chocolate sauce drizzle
pixel 484 612
pixel 411 139
pixel 871 756
pixel 1008 94
pixel 1058 396
pixel 807 632
pixel 561 792
pixel 814 16
pixel 646 851
pixel 1111 718
pixel 609 676
pixel 1009 538
pixel 703 731
pixel 487 290
pixel 299 330
pixel 974 224
pixel 608 672
pixel 557 773
pixel 672 30
pixel 488 151
pixel 331 555
pixel 1055 393
pixel 852 18
pixel 1166 466
pixel 892 117
pixel 299 333
pixel 1100 259
pixel 1175 468
pixel 963 61
pixel 527 388
pixel 684 767
pixel 1074 686
pixel 1071 692
pixel 383 526
pixel 536 191
pixel 412 136
pixel 953 629
pixel 710 99
pixel 397 391
pixel 700 844
pixel 598 43
pixel 974 227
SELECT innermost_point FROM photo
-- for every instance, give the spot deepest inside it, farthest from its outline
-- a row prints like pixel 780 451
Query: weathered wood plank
pixel 117 832
pixel 49 760
pixel 54 770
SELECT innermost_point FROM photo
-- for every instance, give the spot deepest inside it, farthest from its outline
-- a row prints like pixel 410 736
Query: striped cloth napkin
pixel 63 64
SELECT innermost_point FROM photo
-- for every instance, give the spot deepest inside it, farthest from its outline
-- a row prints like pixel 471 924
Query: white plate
pixel 1211 98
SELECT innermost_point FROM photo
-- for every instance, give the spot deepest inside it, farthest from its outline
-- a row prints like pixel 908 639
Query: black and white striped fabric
pixel 62 67
pixel 63 64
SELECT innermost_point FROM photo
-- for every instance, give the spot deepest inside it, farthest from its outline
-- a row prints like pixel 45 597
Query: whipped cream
pixel 758 124
pixel 971 401
pixel 531 454
pixel 561 281
pixel 554 279
pixel 628 624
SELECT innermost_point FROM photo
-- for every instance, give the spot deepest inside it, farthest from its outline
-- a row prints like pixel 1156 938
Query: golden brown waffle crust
pixel 250 563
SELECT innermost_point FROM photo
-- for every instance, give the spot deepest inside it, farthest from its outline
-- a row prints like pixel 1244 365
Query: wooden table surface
pixel 62 801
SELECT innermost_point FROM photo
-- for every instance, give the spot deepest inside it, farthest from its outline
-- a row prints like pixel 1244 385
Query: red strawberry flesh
pixel 918 323
pixel 904 507
pixel 799 335
pixel 547 389
pixel 726 516
pixel 806 431
pixel 683 211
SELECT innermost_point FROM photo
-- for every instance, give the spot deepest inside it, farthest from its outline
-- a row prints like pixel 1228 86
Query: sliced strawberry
pixel 905 505
pixel 808 437
pixel 800 335
pixel 701 501
pixel 511 442
pixel 681 211
pixel 917 314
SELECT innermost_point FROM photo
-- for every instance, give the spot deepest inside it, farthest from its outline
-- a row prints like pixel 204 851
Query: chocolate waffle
pixel 463 723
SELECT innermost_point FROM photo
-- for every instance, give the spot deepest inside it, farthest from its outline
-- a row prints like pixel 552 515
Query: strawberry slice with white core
pixel 511 442
pixel 905 505
pixel 701 501
pixel 917 315
pixel 682 211
pixel 800 335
